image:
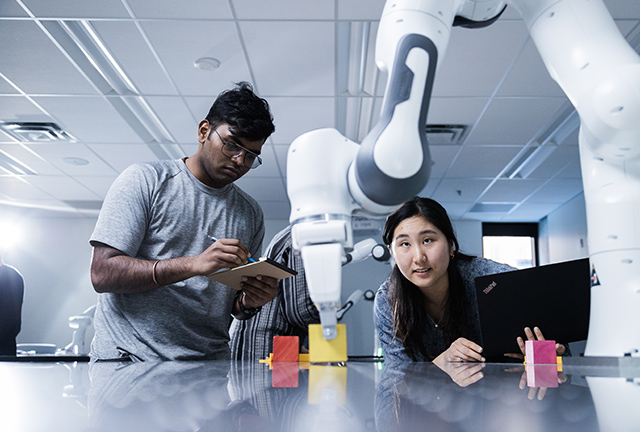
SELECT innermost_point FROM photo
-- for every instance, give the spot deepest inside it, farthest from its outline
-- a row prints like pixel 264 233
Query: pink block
pixel 541 352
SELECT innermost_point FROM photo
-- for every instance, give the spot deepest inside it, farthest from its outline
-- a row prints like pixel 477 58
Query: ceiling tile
pixel 120 156
pixel 19 108
pixel 177 118
pixel 360 9
pixel 442 156
pixel 89 119
pixel 563 156
pixel 529 76
pixel 128 46
pixel 460 190
pixel 303 65
pixel 510 190
pixel 456 110
pixel 482 161
pixel 19 189
pixel 12 9
pixel 98 184
pixel 62 188
pixel 284 9
pixel 176 9
pixel 476 59
pixel 32 62
pixel 32 160
pixel 77 9
pixel 518 120
pixel 55 154
pixel 295 116
pixel 180 43
pixel 556 191
pixel 529 212
pixel 6 88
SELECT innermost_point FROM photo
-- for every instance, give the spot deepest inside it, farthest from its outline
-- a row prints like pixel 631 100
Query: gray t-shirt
pixel 159 210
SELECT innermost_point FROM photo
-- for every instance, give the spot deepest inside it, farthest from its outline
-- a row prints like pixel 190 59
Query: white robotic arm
pixel 330 178
pixel 600 73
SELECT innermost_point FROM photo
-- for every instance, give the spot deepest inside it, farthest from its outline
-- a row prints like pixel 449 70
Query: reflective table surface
pixel 594 395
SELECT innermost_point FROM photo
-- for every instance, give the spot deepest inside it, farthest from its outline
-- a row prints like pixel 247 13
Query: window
pixel 515 244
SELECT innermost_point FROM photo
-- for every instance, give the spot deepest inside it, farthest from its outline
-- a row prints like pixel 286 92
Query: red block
pixel 541 352
pixel 285 348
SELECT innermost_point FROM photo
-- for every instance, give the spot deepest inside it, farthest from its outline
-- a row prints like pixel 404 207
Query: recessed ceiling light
pixel 75 161
pixel 207 63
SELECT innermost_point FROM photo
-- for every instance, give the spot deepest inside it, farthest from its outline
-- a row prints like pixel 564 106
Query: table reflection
pixel 353 397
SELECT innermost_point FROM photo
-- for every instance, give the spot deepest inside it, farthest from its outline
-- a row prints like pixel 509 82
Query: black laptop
pixel 554 297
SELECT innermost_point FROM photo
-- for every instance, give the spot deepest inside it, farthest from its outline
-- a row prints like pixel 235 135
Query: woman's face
pixel 422 253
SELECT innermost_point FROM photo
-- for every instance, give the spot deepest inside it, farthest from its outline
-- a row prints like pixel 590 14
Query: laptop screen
pixel 555 298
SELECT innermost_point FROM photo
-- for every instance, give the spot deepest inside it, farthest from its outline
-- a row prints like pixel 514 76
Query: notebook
pixel 554 297
pixel 263 266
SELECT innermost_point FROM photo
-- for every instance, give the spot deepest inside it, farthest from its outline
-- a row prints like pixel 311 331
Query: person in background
pixel 165 225
pixel 427 309
pixel 11 297
pixel 288 314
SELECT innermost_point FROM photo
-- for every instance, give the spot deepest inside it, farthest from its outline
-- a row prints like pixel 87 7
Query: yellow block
pixel 325 351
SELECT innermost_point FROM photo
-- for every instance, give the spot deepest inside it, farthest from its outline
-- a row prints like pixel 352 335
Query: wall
pixel 53 257
pixel 564 232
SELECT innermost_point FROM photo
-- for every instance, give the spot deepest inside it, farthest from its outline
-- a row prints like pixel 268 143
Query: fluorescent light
pixel 539 150
pixel 14 166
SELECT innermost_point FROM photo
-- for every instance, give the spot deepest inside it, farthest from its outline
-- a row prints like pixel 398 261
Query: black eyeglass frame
pixel 257 161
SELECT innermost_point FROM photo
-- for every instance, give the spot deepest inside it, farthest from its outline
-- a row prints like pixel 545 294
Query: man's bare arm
pixel 114 271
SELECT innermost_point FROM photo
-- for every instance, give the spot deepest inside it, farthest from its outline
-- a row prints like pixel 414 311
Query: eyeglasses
pixel 233 150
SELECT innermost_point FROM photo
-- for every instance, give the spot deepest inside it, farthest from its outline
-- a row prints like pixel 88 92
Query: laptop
pixel 554 297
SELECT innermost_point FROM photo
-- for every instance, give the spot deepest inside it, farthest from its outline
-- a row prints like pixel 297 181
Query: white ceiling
pixel 295 52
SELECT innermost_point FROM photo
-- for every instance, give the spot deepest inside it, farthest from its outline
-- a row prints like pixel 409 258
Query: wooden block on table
pixel 285 348
pixel 540 352
pixel 327 351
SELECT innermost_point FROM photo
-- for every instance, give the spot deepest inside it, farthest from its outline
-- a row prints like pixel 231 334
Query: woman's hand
pixel 536 334
pixel 462 350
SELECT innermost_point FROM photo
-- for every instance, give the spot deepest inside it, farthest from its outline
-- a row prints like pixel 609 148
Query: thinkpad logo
pixel 489 287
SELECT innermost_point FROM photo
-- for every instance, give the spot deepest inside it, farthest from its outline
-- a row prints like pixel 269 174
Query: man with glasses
pixel 165 225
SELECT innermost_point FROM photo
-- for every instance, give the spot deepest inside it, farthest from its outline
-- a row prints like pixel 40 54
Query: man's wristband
pixel 249 312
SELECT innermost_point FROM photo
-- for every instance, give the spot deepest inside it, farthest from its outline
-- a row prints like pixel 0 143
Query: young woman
pixel 427 309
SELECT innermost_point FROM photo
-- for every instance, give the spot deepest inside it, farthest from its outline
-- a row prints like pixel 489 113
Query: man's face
pixel 219 169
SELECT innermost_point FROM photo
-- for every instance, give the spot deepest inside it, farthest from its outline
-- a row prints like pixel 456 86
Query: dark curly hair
pixel 247 115
pixel 409 316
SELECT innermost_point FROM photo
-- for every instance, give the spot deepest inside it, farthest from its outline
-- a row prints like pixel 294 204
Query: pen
pixel 213 240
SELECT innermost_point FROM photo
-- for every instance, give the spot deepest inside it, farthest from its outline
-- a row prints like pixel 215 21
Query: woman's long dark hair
pixel 409 314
